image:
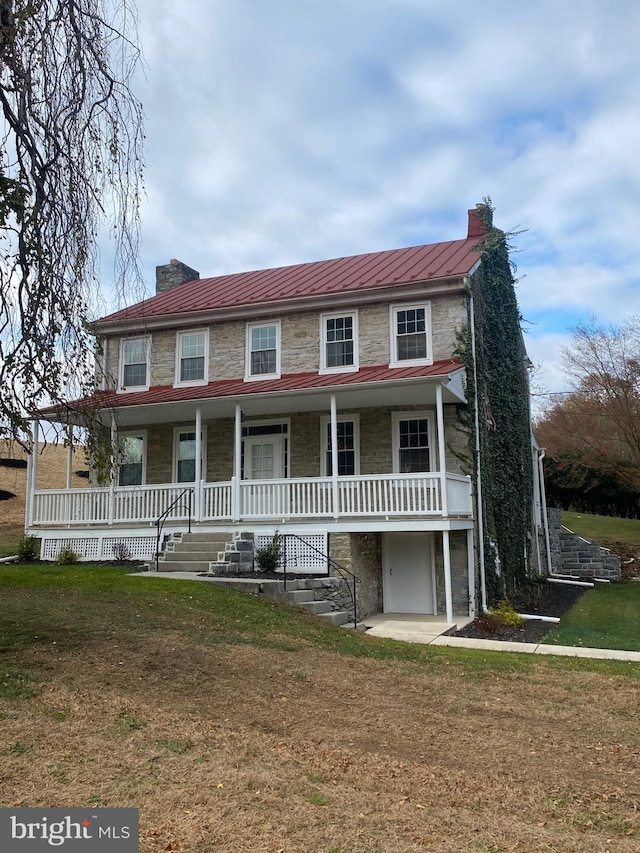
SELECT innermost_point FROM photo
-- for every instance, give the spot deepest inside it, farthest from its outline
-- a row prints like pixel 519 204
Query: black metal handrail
pixel 334 564
pixel 162 518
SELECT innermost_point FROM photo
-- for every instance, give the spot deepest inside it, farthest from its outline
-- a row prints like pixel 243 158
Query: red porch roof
pixel 237 387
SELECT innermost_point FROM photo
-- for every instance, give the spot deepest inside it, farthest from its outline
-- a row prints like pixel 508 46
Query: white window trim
pixel 351 368
pixel 174 464
pixel 131 388
pixel 178 383
pixel 396 417
pixel 325 422
pixel 393 349
pixel 135 433
pixel 248 376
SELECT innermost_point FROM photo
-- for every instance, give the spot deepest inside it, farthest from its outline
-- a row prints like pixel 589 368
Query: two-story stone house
pixel 321 399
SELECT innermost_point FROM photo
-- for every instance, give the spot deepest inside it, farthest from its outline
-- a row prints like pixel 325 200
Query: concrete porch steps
pixel 194 552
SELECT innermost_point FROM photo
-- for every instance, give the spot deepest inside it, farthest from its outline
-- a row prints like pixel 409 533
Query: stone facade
pixel 304 444
pixel 366 564
pixel 300 341
pixel 459 572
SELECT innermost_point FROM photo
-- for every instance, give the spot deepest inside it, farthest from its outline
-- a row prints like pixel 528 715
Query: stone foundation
pixel 366 563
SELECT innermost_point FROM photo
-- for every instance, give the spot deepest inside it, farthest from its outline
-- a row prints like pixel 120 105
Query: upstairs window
pixel 339 343
pixel 263 351
pixel 191 358
pixel 411 335
pixel 134 364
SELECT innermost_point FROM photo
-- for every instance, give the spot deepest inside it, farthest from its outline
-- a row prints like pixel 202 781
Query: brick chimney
pixel 476 225
pixel 172 274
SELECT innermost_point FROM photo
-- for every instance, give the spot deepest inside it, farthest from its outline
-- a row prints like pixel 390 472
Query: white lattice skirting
pixel 100 547
pixel 300 557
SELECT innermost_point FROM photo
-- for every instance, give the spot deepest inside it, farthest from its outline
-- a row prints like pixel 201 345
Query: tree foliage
pixel 70 162
pixel 592 436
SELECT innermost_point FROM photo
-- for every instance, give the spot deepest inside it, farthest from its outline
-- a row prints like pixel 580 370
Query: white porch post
pixel 447 575
pixel 113 474
pixel 441 450
pixel 32 479
pixel 237 466
pixel 471 568
pixel 334 456
pixel 69 455
pixel 197 509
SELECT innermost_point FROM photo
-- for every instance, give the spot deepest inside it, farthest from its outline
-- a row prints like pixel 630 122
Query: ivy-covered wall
pixel 504 414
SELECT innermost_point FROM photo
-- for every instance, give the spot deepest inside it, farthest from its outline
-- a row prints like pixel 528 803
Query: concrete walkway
pixel 433 630
pixel 411 627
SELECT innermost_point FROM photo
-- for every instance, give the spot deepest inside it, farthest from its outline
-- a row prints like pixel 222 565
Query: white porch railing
pixel 365 496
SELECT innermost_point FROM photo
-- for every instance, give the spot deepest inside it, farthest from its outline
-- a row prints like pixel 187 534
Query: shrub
pixel 499 620
pixel 269 555
pixel 507 615
pixel 67 557
pixel 121 551
pixel 28 548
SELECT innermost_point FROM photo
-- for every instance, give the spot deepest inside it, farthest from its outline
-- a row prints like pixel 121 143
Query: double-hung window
pixel 413 442
pixel 191 357
pixel 410 335
pixel 339 342
pixel 134 364
pixel 131 459
pixel 263 350
pixel 348 446
pixel 184 455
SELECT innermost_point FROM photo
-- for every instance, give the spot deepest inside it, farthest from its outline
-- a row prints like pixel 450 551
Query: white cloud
pixel 281 132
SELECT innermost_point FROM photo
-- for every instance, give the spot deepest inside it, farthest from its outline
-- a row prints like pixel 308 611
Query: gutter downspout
pixel 483 579
pixel 543 501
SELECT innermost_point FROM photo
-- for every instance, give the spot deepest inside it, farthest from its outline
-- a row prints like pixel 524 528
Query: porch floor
pixel 412 627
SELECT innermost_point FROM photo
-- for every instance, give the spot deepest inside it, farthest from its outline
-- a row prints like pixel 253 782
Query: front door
pixel 264 460
pixel 408 573
pixel 263 457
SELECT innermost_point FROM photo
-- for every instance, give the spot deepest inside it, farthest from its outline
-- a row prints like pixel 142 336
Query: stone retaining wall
pixel 578 557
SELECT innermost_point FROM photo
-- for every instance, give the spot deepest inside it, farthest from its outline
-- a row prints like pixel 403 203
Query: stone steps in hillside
pixel 299 593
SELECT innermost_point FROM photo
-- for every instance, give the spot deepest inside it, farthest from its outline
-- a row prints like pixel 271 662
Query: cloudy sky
pixel 283 131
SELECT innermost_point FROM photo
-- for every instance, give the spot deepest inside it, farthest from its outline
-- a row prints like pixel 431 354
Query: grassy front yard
pixel 235 724
pixel 606 617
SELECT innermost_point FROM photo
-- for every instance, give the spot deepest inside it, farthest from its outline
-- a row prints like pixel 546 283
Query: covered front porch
pixel 286 451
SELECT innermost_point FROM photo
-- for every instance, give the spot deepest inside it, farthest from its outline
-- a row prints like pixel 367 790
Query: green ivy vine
pixel 504 418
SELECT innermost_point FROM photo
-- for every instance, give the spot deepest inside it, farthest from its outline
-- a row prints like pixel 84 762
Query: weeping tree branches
pixel 70 161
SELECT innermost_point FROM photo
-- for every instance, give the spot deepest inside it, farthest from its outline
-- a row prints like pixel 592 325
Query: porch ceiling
pixel 369 387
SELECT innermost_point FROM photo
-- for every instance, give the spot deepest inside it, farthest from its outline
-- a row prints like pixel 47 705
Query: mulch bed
pixel 554 600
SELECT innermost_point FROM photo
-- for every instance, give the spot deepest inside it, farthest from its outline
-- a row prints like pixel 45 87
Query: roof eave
pixel 404 290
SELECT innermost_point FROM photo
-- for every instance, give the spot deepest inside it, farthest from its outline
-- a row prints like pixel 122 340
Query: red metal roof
pixel 238 387
pixel 320 278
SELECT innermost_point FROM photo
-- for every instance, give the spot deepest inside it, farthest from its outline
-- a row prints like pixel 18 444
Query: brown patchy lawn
pixel 234 746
